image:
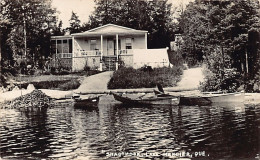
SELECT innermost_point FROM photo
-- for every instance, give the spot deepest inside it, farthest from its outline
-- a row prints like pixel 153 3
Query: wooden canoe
pixel 86 102
pixel 207 99
pixel 161 100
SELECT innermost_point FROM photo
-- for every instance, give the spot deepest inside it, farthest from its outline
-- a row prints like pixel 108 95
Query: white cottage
pixel 107 48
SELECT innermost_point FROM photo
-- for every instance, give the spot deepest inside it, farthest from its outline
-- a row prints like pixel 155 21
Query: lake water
pixel 224 131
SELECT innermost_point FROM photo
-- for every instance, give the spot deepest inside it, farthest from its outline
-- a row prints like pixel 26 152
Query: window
pixel 59 46
pixel 70 46
pixel 128 43
pixel 53 46
pixel 93 44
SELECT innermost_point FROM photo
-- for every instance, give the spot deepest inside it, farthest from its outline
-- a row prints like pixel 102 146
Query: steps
pixel 109 63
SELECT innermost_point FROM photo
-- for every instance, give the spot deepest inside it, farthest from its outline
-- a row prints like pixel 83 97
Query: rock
pixel 35 99
pixel 2 89
pixel 15 88
pixel 256 87
pixel 30 87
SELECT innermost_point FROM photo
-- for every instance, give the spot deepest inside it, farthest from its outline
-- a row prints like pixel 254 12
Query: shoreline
pixel 250 98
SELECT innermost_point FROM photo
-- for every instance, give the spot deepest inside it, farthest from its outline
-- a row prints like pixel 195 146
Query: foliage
pixel 73 84
pixel 74 24
pixel 214 82
pixel 175 58
pixel 154 16
pixel 26 21
pixel 58 31
pixel 86 67
pixel 222 34
pixel 139 78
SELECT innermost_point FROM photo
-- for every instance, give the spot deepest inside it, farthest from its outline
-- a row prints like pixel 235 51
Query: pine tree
pixel 74 23
pixel 154 16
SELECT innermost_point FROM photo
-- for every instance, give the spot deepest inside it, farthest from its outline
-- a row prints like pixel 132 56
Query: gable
pixel 112 28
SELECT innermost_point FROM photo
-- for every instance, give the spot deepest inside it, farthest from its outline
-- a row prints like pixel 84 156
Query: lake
pixel 113 131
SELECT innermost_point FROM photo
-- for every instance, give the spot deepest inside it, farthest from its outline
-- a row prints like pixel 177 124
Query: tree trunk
pixel 0 53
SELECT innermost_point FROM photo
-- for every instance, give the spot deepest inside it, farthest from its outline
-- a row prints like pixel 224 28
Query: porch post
pixel 116 51
pixel 145 40
pixel 56 54
pixel 101 50
pixel 73 52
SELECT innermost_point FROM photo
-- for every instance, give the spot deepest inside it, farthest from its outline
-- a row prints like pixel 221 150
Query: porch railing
pixel 90 53
pixel 125 51
pixel 65 55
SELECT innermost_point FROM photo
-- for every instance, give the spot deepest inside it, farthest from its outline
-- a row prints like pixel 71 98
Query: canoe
pixel 156 100
pixel 86 102
pixel 207 99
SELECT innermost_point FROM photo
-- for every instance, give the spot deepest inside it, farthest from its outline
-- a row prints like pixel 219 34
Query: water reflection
pixel 223 131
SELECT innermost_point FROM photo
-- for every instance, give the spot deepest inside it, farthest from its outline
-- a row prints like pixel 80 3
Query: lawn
pixel 61 82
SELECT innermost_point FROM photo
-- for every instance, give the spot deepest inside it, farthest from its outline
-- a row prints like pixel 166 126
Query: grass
pixel 55 84
pixel 61 82
pixel 126 78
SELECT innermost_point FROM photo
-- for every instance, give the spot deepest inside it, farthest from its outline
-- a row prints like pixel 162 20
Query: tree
pixel 74 23
pixel 28 33
pixel 58 31
pixel 153 16
pixel 214 29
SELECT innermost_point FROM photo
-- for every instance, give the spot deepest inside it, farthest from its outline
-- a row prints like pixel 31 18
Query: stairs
pixel 109 63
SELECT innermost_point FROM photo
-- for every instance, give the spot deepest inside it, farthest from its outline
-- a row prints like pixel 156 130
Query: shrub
pixel 86 68
pixel 73 84
pixel 215 82
pixel 139 78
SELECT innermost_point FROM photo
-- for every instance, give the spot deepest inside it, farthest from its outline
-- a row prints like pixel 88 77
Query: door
pixel 110 47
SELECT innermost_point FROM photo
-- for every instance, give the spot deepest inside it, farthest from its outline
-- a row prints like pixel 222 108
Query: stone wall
pixel 80 62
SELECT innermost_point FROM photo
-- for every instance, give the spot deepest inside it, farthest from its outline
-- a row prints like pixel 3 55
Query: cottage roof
pixel 110 29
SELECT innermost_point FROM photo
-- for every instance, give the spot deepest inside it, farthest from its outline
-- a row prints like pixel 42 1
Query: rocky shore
pixel 33 100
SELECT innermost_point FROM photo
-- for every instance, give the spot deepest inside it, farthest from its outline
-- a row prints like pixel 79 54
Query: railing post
pixel 101 56
pixel 145 39
pixel 73 53
pixel 116 51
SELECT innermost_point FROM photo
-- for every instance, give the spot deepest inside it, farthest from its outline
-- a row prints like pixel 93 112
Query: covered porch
pixel 109 46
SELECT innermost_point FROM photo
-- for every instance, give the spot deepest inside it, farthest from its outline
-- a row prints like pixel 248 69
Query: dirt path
pixel 191 78
pixel 95 82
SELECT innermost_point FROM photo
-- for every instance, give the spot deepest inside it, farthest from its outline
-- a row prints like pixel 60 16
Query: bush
pixel 175 58
pixel 86 68
pixel 140 78
pixel 215 82
pixel 73 84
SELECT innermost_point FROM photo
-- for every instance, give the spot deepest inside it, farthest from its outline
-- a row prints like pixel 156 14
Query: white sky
pixel 84 8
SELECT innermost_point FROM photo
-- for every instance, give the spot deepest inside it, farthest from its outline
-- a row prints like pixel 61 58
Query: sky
pixel 84 8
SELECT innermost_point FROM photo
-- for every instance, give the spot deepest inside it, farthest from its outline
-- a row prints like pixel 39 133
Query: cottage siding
pixel 83 45
pixel 138 42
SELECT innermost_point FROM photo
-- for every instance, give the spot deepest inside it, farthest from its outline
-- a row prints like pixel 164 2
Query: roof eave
pixel 109 33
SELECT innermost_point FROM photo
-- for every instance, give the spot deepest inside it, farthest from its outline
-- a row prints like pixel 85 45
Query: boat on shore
pixel 209 98
pixel 86 101
pixel 142 100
